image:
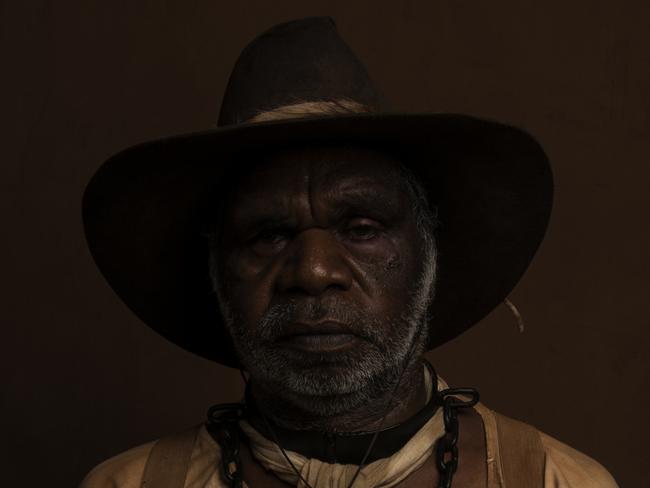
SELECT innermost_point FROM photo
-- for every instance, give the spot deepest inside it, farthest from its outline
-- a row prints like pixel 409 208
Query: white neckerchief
pixel 382 473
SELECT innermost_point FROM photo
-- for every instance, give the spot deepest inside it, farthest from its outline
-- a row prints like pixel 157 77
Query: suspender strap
pixel 522 453
pixel 169 461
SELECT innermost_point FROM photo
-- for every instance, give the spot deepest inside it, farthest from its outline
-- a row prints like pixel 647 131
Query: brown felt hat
pixel 144 210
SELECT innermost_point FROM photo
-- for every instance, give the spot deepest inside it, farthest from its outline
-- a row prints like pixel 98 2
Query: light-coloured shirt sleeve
pixel 126 470
pixel 122 471
pixel 564 466
pixel 567 468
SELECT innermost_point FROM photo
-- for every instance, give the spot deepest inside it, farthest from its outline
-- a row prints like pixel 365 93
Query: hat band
pixel 305 109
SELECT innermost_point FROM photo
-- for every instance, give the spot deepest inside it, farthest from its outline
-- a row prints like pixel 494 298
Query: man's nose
pixel 316 263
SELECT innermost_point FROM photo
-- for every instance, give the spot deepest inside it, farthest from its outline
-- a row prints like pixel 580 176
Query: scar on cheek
pixel 393 262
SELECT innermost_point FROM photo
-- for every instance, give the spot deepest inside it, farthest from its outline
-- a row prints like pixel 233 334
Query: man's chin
pixel 331 388
pixel 320 374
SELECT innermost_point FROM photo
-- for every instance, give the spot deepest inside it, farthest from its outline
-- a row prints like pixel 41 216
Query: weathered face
pixel 323 281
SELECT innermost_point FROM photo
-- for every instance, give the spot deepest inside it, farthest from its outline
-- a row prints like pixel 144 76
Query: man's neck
pixel 395 405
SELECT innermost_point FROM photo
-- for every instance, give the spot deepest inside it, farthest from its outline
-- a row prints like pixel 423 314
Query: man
pixel 322 245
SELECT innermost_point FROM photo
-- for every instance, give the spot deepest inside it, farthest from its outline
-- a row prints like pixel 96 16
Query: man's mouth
pixel 319 342
pixel 324 336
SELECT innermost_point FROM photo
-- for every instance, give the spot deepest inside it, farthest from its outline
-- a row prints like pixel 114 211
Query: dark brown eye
pixel 362 232
pixel 269 241
pixel 271 236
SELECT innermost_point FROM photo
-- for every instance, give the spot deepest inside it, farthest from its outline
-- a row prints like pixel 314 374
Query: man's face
pixel 324 281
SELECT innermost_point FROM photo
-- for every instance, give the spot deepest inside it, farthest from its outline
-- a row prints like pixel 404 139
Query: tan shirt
pixel 564 466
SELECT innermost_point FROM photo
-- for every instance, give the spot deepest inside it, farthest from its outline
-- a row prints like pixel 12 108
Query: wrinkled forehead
pixel 322 169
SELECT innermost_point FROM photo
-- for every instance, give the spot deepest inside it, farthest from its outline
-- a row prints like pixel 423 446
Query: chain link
pixel 222 425
pixel 447 448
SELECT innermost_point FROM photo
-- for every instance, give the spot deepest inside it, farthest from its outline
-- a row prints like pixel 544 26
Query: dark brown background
pixel 83 379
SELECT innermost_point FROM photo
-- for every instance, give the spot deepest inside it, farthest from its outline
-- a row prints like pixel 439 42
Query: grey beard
pixel 324 385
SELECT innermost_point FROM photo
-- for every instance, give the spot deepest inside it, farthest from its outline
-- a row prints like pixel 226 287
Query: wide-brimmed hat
pixel 144 211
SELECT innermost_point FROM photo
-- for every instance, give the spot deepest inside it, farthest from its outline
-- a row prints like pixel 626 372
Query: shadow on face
pixel 319 264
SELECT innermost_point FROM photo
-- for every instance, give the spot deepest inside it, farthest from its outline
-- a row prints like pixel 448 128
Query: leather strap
pixel 522 454
pixel 169 460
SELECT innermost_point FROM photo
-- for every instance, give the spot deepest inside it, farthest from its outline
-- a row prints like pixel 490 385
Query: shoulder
pixel 564 466
pixel 122 471
pixel 568 467
pixel 126 470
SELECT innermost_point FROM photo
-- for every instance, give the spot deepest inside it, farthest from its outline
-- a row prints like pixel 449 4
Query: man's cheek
pixel 247 279
pixel 388 276
pixel 248 312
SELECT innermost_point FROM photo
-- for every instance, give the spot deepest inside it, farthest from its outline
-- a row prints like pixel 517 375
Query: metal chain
pixel 223 419
pixel 447 448
pixel 222 425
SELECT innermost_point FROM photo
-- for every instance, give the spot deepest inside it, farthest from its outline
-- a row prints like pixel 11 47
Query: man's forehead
pixel 351 170
pixel 343 180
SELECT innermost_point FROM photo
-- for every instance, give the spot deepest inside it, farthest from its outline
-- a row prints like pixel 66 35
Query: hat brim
pixel 144 211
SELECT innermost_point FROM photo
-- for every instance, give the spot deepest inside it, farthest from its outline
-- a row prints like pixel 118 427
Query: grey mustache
pixel 279 317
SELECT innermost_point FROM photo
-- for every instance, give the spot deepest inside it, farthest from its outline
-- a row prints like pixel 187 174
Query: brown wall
pixel 83 379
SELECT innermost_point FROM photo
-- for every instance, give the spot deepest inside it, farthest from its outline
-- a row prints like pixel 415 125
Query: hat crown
pixel 304 60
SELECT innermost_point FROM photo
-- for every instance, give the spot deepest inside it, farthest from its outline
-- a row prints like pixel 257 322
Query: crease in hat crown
pixel 298 68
